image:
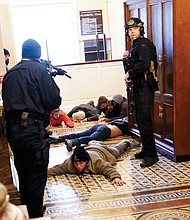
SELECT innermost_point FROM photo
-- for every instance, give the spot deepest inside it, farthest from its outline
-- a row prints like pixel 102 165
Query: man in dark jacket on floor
pixel 117 108
pixel 88 109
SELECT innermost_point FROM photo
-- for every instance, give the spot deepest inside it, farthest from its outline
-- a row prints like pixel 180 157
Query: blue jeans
pixel 98 132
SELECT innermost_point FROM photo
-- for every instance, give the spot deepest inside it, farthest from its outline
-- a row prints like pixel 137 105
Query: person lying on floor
pixel 102 105
pixel 58 117
pixel 117 107
pixel 93 159
pixel 88 109
pixel 98 132
pixel 78 116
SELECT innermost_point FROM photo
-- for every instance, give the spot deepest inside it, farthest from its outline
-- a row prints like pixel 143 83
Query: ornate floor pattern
pixel 161 192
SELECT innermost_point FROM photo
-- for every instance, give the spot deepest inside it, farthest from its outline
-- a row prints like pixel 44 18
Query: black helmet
pixel 134 22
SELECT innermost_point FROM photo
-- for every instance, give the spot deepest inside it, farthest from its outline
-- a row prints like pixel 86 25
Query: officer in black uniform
pixel 29 95
pixel 141 71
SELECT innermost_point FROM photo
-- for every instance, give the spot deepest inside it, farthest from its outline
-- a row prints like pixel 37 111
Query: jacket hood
pixel 118 98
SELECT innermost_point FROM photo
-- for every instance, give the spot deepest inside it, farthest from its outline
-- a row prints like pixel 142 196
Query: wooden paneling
pixel 181 30
pixel 5 169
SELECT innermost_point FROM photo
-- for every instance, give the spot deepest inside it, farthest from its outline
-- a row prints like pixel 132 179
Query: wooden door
pixel 157 18
pixel 133 8
pixel 160 32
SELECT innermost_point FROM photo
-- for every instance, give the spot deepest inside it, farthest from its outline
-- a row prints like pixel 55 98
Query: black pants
pixel 31 159
pixel 144 99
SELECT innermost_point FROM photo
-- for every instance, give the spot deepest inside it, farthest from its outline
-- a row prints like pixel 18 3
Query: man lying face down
pixel 93 159
pixel 98 132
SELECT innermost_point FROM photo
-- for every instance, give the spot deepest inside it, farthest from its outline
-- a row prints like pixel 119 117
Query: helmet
pixel 134 22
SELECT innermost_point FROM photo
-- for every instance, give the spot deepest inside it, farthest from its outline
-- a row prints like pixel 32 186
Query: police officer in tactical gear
pixel 29 95
pixel 140 70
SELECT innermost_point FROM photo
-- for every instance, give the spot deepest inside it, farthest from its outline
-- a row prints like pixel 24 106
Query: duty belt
pixel 30 121
pixel 23 118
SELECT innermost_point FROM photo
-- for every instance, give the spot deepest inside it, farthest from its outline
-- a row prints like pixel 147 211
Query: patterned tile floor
pixel 161 192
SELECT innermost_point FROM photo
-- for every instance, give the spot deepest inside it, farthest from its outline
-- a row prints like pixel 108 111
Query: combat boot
pixel 149 161
pixel 140 155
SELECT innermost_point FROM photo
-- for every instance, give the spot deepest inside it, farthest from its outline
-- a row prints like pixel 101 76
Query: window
pixel 53 26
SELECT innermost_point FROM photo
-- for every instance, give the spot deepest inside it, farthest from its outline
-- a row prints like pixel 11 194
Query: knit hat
pixel 118 98
pixel 31 49
pixel 78 115
pixel 80 154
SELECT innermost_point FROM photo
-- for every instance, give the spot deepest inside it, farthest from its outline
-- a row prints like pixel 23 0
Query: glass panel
pixel 168 47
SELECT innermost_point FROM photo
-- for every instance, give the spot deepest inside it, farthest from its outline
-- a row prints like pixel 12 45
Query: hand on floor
pixel 118 182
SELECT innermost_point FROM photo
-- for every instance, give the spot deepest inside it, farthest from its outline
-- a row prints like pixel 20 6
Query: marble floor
pixel 160 192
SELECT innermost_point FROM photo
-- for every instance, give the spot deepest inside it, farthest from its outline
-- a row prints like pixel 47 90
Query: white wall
pixel 113 22
pixel 116 27
pixel 2 64
pixel 89 81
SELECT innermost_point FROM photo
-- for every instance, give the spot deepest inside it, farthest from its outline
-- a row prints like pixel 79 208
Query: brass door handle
pixel 159 60
pixel 160 111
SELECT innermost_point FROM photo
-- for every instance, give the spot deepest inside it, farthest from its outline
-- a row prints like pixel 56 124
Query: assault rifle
pixel 54 71
pixel 128 63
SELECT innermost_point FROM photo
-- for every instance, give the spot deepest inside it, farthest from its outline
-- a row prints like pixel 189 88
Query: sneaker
pixel 96 143
pixel 148 161
pixel 69 145
pixel 140 155
pixel 134 143
pixel 128 144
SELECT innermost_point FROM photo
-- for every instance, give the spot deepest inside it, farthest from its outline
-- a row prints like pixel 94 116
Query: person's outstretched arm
pixel 105 168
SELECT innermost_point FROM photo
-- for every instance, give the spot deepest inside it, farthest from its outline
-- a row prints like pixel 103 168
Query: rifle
pixel 51 68
pixel 128 63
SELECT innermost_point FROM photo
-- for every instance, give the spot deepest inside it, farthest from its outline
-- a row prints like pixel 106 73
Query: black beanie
pixel 80 154
pixel 31 49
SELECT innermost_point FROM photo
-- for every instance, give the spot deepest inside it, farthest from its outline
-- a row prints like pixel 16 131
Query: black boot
pixel 149 161
pixel 140 155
